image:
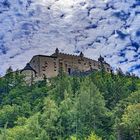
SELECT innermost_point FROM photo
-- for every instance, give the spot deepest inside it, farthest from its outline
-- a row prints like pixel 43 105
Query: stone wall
pixel 45 65
pixel 50 66
pixel 79 63
pixel 29 76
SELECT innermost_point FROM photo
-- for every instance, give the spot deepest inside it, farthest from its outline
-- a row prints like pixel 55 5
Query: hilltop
pixel 96 27
pixel 94 107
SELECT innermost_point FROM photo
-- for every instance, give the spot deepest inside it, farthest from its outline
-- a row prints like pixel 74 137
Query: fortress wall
pixel 107 68
pixel 78 63
pixel 48 66
pixel 34 63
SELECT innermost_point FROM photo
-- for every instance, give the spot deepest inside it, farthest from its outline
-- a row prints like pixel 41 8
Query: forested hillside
pixel 99 106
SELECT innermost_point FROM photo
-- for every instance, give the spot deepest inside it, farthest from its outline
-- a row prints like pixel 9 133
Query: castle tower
pixel 57 51
pixel 101 59
pixel 81 55
pixel 29 73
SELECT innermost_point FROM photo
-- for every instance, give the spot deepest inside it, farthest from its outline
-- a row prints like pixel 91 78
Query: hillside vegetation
pixel 99 106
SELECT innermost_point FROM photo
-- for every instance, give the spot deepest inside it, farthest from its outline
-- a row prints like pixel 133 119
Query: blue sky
pixel 107 27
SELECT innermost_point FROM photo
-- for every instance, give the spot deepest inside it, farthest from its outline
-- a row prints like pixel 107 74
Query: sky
pixel 96 27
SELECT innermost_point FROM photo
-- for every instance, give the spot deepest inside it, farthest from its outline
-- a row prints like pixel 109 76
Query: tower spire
pixel 101 59
pixel 57 51
pixel 81 54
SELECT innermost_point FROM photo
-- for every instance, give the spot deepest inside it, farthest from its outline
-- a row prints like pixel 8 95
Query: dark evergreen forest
pixel 99 106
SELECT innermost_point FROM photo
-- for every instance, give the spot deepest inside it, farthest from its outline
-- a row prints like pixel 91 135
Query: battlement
pixel 57 52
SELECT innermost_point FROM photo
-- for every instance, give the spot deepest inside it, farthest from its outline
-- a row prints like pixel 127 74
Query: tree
pixel 120 110
pixel 130 121
pixel 59 86
pixel 9 79
pixel 113 88
pixel 49 118
pixel 8 114
pixel 94 107
pixel 67 118
pixel 19 79
pixel 30 130
pixel 93 136
pixel 91 110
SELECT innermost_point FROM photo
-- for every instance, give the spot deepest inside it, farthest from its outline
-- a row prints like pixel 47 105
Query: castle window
pixel 79 61
pixel 54 62
pixel 61 64
pixel 65 65
pixel 43 68
pixel 90 63
pixel 69 70
pixel 108 69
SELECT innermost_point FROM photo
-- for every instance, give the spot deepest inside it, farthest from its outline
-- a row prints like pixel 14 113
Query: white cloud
pixel 96 27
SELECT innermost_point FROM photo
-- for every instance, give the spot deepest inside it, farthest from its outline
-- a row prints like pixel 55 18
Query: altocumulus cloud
pixel 107 27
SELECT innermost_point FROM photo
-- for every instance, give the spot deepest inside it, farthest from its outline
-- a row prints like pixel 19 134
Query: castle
pixel 42 66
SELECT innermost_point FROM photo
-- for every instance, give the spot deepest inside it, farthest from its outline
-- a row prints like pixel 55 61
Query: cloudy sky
pixel 107 27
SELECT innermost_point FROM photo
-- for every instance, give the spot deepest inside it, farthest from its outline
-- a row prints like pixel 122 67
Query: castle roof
pixel 28 67
pixel 101 59
pixel 44 56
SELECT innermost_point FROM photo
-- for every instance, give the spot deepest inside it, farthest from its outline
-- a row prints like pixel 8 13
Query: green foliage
pixel 8 114
pixel 123 110
pixel 30 130
pixel 49 117
pixel 91 109
pixel 131 120
pixel 67 116
pixel 93 136
pixel 114 88
pixel 95 107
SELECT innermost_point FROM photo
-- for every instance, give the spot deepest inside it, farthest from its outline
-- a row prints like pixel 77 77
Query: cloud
pixel 30 27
